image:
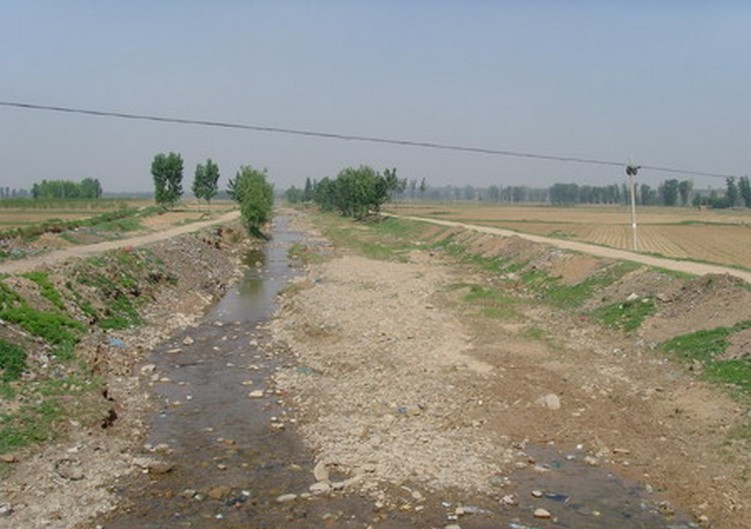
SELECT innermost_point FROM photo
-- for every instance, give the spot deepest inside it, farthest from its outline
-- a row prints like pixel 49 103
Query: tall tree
pixel 206 181
pixel 167 170
pixel 731 193
pixel 255 194
pixel 684 189
pixel 307 194
pixel 669 192
pixel 744 187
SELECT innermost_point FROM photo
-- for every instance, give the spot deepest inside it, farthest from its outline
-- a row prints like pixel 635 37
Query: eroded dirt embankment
pixel 419 373
pixel 117 306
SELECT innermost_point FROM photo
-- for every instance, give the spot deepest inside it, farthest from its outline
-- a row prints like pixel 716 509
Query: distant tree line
pixel 671 192
pixel 86 188
pixel 7 192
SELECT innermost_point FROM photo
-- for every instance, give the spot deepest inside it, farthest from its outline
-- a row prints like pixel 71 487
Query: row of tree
pixel 167 171
pixel 737 194
pixel 86 188
pixel 671 192
pixel 250 188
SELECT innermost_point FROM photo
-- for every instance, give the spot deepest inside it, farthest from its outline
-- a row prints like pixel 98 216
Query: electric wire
pixel 352 137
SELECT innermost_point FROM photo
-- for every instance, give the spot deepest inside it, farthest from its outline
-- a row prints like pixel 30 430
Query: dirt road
pixel 58 256
pixel 598 251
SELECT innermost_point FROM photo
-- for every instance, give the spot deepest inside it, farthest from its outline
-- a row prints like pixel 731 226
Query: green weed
pixel 32 424
pixel 492 303
pixel 627 316
pixel 707 347
pixel 12 361
pixel 55 327
pixel 46 288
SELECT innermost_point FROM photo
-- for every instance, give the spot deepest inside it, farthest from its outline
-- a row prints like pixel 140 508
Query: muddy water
pixel 231 460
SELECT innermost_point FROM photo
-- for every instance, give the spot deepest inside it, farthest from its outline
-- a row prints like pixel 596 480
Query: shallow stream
pixel 231 460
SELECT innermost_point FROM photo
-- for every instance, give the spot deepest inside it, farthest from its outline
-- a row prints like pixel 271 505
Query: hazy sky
pixel 665 82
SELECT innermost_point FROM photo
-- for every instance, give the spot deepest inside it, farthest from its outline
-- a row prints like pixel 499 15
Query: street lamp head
pixel 631 170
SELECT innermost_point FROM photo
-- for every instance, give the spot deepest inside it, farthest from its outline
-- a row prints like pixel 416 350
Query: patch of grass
pixel 119 310
pixel 707 347
pixel 304 254
pixel 627 316
pixel 561 234
pixel 495 265
pixel 387 239
pixel 32 424
pixel 12 361
pixel 46 288
pixel 55 327
pixel 568 297
pixel 492 303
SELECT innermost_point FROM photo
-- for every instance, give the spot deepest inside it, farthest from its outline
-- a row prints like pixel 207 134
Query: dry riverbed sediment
pixel 396 383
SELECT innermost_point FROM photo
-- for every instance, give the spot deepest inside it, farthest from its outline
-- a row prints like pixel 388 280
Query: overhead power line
pixel 350 137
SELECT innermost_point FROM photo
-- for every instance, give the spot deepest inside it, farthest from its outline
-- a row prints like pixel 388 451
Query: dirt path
pixel 599 251
pixel 58 256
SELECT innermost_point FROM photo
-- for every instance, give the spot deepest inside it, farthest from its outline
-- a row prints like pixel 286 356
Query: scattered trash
pixel 117 342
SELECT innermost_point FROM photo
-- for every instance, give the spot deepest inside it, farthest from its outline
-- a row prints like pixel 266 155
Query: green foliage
pixel 255 195
pixel 744 188
pixel 167 170
pixel 46 288
pixel 493 303
pixel 12 361
pixel 707 347
pixel 55 327
pixel 564 296
pixel 87 188
pixel 627 316
pixel 119 311
pixel 669 192
pixel 732 193
pixel 33 424
pixel 105 221
pixel 206 181
pixel 356 192
pixel 293 195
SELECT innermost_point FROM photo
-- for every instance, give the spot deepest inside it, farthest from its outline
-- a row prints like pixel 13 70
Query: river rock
pixel 321 472
pixel 188 341
pixel 542 513
pixel 284 498
pixel 8 458
pixel 256 394
pixel 219 492
pixel 6 509
pixel 550 401
pixel 153 466
pixel 319 488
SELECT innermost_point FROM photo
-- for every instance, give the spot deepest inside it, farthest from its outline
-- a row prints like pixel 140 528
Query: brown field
pixel 17 214
pixel 717 236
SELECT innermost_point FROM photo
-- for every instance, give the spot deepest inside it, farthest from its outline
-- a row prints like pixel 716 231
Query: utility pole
pixel 631 171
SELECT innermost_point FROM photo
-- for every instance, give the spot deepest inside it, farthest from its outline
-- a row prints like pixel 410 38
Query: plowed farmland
pixel 722 237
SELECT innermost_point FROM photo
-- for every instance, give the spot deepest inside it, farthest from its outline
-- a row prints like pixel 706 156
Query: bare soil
pixel 396 376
